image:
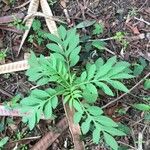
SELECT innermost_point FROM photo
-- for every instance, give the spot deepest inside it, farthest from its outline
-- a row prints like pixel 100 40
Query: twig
pixel 133 137
pixel 22 5
pixel 142 20
pixel 108 50
pixel 63 4
pixel 40 14
pixel 142 5
pixel 5 93
pixel 118 98
pixel 133 148
pixel 140 138
pixel 13 144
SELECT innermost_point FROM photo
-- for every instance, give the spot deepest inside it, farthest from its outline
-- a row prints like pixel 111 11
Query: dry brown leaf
pixel 33 7
pixel 47 11
pixel 135 29
pixel 51 136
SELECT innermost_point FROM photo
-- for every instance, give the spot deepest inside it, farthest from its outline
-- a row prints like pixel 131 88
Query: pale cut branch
pixel 9 112
pixel 47 11
pixel 4 111
pixel 14 67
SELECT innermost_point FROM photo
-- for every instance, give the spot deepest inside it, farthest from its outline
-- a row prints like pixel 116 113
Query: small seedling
pixel 18 24
pixel 52 2
pixel 139 67
pixel 3 54
pixel 98 29
pixel 133 12
pixel 77 89
pixel 94 43
pixel 145 105
pixel 120 37
pixel 11 2
pixel 39 34
pixel 147 84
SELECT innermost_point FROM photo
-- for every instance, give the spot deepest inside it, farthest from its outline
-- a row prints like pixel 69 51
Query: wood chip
pixel 51 136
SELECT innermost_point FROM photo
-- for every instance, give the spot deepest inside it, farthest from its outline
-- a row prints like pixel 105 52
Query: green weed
pixel 74 86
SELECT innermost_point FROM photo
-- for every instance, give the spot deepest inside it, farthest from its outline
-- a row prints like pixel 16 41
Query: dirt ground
pixel 131 17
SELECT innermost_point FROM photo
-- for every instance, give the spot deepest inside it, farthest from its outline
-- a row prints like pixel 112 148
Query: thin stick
pixel 140 139
pixel 142 20
pixel 40 14
pixel 22 5
pixel 115 100
pixel 133 148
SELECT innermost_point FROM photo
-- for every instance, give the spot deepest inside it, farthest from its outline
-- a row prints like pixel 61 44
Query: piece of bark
pixel 51 136
pixel 11 18
pixel 10 28
pixel 74 129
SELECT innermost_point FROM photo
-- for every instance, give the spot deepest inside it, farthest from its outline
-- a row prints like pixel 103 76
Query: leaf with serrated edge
pixel 142 107
pixel 32 120
pixel 48 109
pixel 118 85
pixel 91 71
pixel 85 126
pixel 96 135
pixel 77 117
pixel 105 88
pixel 106 121
pixel 113 131
pixel 110 141
pixel 106 67
pixel 54 102
pixel 94 110
pixel 62 32
pixel 77 106
pixel 54 48
pixel 30 101
pixel 40 94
